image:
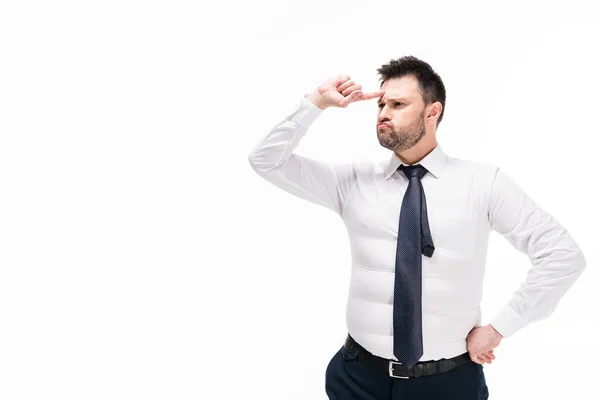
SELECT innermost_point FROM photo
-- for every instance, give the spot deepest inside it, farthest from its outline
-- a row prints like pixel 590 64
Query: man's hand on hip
pixel 480 343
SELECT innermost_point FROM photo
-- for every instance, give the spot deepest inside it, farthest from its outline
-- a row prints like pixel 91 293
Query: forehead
pixel 406 87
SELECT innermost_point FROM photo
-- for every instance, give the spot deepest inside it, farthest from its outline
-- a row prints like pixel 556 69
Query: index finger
pixel 372 95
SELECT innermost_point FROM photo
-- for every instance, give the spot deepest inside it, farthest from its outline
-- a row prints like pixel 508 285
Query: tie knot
pixel 413 170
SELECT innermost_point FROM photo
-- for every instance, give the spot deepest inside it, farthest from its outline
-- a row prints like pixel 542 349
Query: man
pixel 418 225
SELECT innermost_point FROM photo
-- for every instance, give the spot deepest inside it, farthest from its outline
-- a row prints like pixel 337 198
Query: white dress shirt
pixel 465 201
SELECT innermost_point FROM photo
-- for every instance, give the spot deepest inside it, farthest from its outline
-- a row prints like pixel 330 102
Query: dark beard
pixel 401 140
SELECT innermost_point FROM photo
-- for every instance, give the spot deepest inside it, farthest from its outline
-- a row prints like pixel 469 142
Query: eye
pixel 396 103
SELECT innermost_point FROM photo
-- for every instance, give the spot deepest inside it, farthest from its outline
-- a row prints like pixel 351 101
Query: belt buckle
pixel 391 369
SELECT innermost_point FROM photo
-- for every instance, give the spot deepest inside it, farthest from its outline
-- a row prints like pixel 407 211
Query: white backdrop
pixel 142 258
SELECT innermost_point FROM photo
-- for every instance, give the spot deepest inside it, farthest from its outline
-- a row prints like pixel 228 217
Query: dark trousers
pixel 347 378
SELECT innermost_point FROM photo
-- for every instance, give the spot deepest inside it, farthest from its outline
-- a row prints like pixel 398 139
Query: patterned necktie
pixel 414 239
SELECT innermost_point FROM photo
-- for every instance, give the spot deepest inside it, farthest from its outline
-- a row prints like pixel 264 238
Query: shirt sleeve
pixel 273 158
pixel 556 259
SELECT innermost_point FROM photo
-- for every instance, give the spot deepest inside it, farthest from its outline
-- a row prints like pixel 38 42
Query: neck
pixel 418 151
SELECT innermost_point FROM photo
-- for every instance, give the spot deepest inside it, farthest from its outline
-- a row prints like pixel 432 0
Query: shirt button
pixel 345 355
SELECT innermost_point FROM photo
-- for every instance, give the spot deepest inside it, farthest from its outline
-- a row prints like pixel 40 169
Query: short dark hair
pixel 430 84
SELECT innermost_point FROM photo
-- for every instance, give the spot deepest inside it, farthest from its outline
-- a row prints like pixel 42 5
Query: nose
pixel 383 115
pixel 382 118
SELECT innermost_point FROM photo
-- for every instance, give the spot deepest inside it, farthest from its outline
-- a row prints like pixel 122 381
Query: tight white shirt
pixel 465 201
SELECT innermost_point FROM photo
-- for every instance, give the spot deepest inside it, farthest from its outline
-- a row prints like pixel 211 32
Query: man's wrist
pixel 315 98
pixel 497 334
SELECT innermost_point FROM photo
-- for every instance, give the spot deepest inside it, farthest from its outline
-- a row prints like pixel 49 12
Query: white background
pixel 142 258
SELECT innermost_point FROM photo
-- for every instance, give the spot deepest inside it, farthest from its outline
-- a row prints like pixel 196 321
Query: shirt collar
pixel 434 162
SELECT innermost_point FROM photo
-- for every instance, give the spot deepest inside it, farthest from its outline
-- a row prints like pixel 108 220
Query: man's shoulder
pixel 472 166
pixel 366 165
pixel 366 168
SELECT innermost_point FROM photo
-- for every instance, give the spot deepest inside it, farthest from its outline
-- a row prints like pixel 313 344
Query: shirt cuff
pixel 507 322
pixel 306 113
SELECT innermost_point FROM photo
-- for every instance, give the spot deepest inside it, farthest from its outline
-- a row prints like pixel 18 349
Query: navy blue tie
pixel 414 239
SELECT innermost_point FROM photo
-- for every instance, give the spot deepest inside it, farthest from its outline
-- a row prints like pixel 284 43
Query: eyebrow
pixel 392 99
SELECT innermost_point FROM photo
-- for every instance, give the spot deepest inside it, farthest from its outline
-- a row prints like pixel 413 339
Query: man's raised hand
pixel 340 91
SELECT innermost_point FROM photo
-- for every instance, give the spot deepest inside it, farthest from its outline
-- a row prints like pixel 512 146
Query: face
pixel 401 108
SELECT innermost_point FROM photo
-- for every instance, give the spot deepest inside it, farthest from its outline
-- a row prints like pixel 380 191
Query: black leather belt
pixel 397 370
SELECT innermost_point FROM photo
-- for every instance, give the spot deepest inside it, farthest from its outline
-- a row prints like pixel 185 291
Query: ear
pixel 435 111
